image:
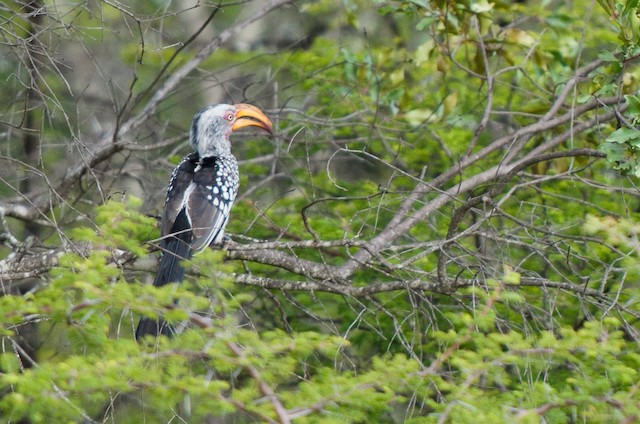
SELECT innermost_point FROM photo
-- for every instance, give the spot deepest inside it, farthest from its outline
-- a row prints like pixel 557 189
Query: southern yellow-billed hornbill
pixel 200 194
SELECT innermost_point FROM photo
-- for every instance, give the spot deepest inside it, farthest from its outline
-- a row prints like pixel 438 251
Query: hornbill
pixel 200 194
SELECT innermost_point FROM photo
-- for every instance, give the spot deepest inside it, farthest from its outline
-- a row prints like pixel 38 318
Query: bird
pixel 200 195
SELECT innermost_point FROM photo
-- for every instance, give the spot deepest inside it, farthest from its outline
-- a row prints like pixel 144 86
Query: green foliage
pixel 89 298
pixel 623 145
pixel 589 372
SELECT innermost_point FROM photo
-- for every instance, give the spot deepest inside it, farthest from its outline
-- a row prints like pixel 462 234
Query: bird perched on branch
pixel 201 192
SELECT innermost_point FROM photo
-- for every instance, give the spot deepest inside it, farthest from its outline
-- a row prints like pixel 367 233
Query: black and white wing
pixel 214 189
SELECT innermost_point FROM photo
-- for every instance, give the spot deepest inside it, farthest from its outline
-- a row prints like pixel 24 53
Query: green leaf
pixel 584 98
pixel 633 103
pixel 615 152
pixel 607 56
pixel 481 6
pixel 622 135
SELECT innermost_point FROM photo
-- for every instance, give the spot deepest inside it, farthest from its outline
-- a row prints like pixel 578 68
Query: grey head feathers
pixel 210 129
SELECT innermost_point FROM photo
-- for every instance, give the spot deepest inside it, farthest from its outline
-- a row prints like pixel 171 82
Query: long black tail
pixel 176 248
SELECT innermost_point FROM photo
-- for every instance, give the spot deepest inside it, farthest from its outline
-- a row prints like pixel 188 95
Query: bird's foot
pixel 226 242
pixel 222 244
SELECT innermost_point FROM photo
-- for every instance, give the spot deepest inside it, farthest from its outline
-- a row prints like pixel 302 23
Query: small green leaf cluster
pixel 622 147
pixel 121 226
pixel 625 17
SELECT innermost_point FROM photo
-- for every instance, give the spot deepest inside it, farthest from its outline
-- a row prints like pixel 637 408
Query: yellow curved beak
pixel 248 115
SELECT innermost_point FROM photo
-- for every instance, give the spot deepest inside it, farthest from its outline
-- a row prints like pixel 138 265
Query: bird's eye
pixel 229 116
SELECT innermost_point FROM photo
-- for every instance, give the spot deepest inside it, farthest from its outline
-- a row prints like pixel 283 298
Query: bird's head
pixel 211 126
